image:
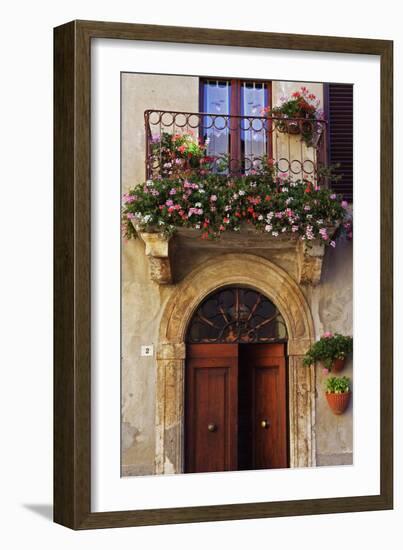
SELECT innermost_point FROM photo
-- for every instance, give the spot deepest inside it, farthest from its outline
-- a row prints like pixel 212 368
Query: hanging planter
pixel 338 393
pixel 331 351
pixel 298 114
pixel 338 364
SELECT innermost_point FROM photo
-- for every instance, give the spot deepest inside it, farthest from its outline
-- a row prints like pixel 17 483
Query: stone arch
pixel 264 276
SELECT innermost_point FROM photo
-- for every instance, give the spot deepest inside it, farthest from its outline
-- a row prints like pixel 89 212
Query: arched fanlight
pixel 236 315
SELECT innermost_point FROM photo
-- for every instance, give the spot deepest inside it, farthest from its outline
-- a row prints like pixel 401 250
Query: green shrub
pixel 329 348
pixel 335 384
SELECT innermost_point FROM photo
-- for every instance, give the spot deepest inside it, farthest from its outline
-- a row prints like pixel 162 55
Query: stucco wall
pixel 143 300
pixel 332 308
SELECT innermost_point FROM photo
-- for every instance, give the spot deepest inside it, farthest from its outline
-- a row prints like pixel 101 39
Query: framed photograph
pixel 223 275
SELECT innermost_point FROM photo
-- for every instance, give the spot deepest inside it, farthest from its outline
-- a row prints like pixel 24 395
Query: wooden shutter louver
pixel 340 135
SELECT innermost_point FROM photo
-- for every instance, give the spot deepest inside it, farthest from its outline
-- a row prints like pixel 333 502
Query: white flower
pixel 260 217
pixel 275 233
pixel 147 218
pixel 161 222
pixel 197 226
pixel 235 196
pixel 284 189
pixel 241 192
pixel 284 229
pixel 198 205
pixel 309 216
pixel 236 228
pixel 268 228
pixel 201 191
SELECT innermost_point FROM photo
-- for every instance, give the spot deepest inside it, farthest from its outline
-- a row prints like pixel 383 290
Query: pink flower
pixel 213 198
pixel 169 202
pixel 172 191
pixel 344 204
pixel 325 371
pixel 129 198
pixel 130 216
pixel 327 335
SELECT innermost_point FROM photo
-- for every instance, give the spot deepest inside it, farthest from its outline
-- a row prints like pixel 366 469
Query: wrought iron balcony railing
pixel 230 144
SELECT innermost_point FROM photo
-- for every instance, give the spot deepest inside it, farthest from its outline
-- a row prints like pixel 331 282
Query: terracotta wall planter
pixel 338 402
pixel 338 365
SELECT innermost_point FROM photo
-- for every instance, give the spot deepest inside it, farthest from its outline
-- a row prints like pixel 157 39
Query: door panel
pixel 211 407
pixel 263 405
pixel 236 407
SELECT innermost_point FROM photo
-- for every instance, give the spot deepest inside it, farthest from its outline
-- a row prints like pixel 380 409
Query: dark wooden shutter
pixel 340 135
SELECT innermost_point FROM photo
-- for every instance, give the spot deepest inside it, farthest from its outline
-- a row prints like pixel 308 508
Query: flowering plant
pixel 175 154
pixel 301 105
pixel 329 348
pixel 271 203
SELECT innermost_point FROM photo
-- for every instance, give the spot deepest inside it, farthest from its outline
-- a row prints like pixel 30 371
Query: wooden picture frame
pixel 72 271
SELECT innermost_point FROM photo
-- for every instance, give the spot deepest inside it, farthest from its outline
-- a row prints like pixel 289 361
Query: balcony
pixel 182 146
pixel 236 145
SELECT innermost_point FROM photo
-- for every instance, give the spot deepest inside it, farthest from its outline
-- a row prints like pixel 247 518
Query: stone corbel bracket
pixel 157 252
pixel 309 262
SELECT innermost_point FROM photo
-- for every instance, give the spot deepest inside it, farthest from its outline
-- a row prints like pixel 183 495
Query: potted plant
pixel 298 114
pixel 338 393
pixel 331 350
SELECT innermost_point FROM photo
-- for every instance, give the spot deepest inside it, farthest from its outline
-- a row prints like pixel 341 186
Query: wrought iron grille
pixel 237 144
pixel 233 315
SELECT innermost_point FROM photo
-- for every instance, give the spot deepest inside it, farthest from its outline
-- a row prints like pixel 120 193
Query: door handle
pixel 212 428
pixel 265 424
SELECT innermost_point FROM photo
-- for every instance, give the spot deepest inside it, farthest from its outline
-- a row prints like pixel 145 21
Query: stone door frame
pixel 267 278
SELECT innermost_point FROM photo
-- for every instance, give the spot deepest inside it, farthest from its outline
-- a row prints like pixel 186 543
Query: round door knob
pixel 212 427
pixel 265 423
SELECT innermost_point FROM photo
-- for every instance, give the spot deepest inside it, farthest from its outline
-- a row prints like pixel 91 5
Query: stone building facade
pixel 312 290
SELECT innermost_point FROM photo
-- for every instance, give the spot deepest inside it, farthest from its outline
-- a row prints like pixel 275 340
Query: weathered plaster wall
pixel 143 300
pixel 290 146
pixel 332 310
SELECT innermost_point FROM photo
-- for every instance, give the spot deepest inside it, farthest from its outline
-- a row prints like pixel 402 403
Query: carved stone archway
pixel 272 281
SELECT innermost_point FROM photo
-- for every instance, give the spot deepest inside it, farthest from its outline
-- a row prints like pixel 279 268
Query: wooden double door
pixel 236 407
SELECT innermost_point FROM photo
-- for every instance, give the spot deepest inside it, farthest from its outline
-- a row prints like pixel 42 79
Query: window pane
pixel 216 102
pixel 236 315
pixel 254 97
